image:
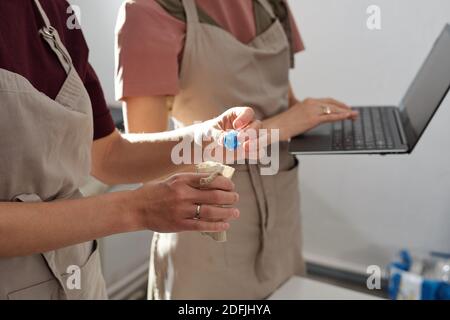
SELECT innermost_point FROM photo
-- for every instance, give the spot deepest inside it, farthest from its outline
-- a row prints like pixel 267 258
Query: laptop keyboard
pixel 370 131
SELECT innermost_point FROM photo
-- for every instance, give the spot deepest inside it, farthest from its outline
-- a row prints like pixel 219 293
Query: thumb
pixel 244 116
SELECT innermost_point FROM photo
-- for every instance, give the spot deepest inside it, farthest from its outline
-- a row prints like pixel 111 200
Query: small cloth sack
pixel 214 169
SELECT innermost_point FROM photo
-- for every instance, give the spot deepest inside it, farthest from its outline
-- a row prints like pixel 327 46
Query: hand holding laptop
pixel 387 129
pixel 305 115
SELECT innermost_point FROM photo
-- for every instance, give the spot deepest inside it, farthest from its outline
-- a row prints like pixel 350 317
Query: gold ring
pixel 197 212
pixel 326 110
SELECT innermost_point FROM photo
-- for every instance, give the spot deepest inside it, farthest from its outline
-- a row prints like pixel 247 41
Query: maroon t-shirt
pixel 23 51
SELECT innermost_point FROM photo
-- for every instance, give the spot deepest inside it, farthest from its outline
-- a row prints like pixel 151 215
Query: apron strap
pixel 268 7
pixel 51 36
pixel 43 14
pixel 263 208
pixel 264 190
pixel 191 11
pixel 71 89
pixel 279 10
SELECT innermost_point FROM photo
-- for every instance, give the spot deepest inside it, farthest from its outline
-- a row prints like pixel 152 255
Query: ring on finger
pixel 326 110
pixel 197 212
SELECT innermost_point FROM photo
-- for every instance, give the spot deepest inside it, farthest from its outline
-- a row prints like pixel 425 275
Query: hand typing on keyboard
pixel 308 114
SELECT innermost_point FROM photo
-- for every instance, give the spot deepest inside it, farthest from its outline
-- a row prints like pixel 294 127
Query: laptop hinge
pixel 400 127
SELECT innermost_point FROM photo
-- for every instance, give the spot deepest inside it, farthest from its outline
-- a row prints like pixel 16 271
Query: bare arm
pixel 150 114
pixel 164 206
pixel 27 228
pixel 141 115
pixel 146 114
pixel 137 157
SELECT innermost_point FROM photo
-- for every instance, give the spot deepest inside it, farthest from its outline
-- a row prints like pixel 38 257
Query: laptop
pixel 389 129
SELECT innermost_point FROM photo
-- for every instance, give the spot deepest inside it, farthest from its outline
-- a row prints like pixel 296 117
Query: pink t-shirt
pixel 150 43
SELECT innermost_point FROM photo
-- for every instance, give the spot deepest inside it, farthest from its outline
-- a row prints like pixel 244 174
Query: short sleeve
pixel 78 49
pixel 148 45
pixel 103 122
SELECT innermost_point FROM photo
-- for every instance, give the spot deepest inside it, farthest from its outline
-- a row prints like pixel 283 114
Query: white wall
pixel 98 20
pixel 358 210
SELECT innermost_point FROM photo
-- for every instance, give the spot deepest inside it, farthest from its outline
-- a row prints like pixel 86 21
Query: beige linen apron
pixel 46 156
pixel 264 246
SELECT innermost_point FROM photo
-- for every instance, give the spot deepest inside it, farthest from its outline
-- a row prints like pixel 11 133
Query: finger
pixel 243 117
pixel 214 197
pixel 193 179
pixel 215 214
pixel 254 145
pixel 219 183
pixel 335 110
pixel 250 132
pixel 204 226
pixel 335 117
pixel 335 102
pixel 354 115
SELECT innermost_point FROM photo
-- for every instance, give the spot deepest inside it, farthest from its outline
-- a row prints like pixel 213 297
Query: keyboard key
pixel 368 130
pixel 378 128
pixel 358 133
pixel 348 134
pixel 387 128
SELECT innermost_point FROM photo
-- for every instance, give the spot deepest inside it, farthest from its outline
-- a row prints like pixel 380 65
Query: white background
pixel 357 210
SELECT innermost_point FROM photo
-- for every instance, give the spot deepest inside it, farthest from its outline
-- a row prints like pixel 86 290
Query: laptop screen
pixel 428 90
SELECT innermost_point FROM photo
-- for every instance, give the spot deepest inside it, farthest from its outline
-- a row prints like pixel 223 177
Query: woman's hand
pixel 171 205
pixel 308 114
pixel 240 119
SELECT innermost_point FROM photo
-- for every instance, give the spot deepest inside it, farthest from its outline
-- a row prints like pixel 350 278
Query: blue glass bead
pixel 231 140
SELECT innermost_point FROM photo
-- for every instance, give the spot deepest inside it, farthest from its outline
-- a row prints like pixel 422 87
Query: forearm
pixel 29 228
pixel 278 122
pixel 136 158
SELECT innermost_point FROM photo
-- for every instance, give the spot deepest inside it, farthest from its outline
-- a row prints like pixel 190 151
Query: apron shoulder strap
pixel 265 12
pixel 51 36
pixel 176 9
pixel 42 13
pixel 278 9
pixel 266 6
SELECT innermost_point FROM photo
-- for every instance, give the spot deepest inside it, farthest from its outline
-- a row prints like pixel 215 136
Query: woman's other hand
pixel 305 115
pixel 171 205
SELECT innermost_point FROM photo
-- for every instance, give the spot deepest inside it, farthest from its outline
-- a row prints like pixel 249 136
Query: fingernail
pixel 236 213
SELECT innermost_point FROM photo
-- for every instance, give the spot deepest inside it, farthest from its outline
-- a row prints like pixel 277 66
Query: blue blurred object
pixel 420 277
pixel 231 140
